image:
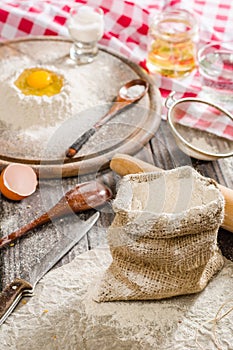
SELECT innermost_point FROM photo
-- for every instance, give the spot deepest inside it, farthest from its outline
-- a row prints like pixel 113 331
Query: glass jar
pixel 215 62
pixel 172 43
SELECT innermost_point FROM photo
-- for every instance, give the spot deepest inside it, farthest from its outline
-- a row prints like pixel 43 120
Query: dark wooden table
pixel 161 151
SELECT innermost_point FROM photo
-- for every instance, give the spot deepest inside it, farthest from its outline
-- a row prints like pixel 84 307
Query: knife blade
pixel 25 285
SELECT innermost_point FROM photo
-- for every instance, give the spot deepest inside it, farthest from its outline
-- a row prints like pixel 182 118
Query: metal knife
pixel 24 286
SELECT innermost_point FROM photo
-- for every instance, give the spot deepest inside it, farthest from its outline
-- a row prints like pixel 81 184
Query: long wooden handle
pixel 123 164
pixel 84 196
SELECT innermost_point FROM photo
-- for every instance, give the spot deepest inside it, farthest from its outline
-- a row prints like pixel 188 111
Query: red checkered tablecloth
pixel 126 27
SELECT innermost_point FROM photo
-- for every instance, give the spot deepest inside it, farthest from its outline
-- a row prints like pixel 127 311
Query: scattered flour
pixel 229 162
pixel 87 96
pixel 80 323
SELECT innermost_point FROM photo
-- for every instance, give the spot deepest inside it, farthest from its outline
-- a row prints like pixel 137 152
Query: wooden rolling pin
pixel 123 164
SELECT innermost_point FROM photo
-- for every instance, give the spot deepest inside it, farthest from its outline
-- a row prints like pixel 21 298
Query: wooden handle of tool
pixel 123 164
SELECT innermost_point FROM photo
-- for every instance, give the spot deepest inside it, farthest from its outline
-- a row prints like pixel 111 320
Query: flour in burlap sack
pixel 163 239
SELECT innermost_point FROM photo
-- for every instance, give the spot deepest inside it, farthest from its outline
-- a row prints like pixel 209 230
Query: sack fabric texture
pixel 163 239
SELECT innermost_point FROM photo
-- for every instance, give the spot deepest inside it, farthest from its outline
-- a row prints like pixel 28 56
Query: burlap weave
pixel 163 239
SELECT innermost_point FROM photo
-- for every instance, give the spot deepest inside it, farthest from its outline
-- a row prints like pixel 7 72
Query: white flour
pixel 93 87
pixel 23 111
pixel 63 315
pixel 132 92
pixel 38 116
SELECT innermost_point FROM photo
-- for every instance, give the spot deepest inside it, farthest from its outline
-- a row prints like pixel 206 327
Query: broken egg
pixel 17 181
pixel 39 82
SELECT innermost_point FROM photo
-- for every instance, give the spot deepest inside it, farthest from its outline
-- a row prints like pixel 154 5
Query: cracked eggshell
pixel 18 181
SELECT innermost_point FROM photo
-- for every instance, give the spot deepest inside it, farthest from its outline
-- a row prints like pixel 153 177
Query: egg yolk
pixel 38 82
pixel 39 79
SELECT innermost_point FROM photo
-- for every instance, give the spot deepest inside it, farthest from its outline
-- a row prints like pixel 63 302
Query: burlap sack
pixel 163 239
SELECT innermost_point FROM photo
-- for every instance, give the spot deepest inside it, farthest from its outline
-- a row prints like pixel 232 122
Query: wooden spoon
pixel 123 164
pixel 84 196
pixel 130 93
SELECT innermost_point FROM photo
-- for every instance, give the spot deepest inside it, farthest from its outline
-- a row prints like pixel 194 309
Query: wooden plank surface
pixel 161 151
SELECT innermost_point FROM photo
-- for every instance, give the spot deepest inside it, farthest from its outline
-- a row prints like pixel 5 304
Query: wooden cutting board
pixel 97 84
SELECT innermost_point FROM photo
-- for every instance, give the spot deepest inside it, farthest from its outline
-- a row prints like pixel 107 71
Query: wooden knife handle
pixel 124 164
pixel 11 295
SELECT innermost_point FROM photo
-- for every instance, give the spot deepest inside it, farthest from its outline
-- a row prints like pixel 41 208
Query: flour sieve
pixel 202 130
